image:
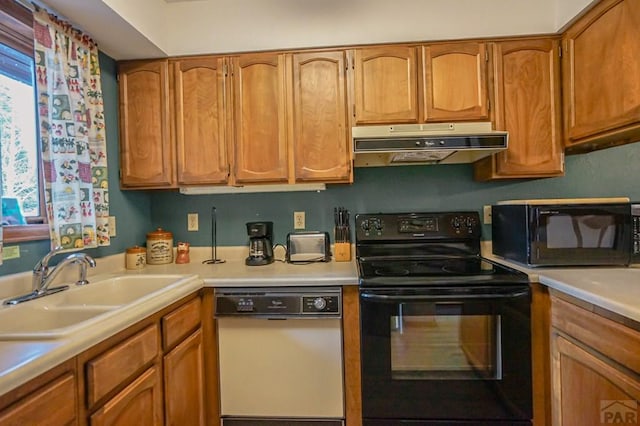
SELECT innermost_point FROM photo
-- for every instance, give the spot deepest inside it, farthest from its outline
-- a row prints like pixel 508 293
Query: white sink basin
pixel 58 315
pixel 31 322
pixel 114 291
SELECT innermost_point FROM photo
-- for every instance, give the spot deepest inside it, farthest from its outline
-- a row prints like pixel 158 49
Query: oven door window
pixel 464 354
pixel 433 341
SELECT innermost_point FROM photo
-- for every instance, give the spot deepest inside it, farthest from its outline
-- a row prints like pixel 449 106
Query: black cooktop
pixel 426 249
pixel 436 271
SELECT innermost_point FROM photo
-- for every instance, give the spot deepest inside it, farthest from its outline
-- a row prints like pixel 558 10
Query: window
pixel 22 201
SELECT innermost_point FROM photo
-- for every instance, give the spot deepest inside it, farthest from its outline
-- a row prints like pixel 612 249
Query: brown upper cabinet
pixel 386 85
pixel 200 120
pixel 246 119
pixel 320 135
pixel 146 150
pixel 453 83
pixel 526 76
pixel 259 120
pixel 600 68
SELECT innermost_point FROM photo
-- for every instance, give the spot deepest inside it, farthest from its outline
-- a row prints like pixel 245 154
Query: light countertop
pixel 22 360
pixel 614 289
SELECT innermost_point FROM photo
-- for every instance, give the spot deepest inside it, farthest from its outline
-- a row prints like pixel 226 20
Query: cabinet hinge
pixel 486 56
pixel 560 51
pixel 224 69
pixel 354 110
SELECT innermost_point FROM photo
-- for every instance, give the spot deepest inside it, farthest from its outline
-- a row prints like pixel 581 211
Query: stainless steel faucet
pixel 43 275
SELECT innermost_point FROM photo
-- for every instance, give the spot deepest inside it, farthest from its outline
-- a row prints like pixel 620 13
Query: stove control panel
pixel 418 226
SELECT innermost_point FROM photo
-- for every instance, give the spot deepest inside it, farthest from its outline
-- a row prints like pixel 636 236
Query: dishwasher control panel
pixel 280 302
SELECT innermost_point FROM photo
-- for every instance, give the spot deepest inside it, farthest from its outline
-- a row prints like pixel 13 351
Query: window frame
pixel 16 31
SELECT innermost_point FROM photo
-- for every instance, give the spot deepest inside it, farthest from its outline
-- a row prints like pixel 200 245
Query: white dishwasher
pixel 280 355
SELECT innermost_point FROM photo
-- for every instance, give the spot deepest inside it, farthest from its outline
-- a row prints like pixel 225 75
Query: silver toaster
pixel 311 246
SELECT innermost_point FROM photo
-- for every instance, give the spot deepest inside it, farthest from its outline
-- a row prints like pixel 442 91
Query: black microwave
pixel 583 232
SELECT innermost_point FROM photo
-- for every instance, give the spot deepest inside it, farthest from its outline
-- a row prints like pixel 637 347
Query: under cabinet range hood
pixel 439 143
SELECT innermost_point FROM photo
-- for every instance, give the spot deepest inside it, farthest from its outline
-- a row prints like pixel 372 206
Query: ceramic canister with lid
pixel 135 258
pixel 159 247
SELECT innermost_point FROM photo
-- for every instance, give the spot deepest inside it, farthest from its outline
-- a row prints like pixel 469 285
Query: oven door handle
pixel 429 297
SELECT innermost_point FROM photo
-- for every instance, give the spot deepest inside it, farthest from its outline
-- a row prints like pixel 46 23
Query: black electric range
pixel 445 333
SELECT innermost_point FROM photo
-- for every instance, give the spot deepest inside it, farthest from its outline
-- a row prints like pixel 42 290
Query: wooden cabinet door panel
pixel 386 85
pixel 184 382
pixel 200 121
pixel 53 404
pixel 139 404
pixel 146 158
pixel 320 133
pixel 455 82
pixel 117 365
pixel 589 391
pixel 601 68
pixel 260 121
pixel 528 91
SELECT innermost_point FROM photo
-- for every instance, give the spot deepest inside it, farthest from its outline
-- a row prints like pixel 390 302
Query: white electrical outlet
pixel 487 215
pixel 112 226
pixel 298 220
pixel 192 221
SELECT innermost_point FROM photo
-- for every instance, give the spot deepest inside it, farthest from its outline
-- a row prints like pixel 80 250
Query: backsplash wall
pixel 611 172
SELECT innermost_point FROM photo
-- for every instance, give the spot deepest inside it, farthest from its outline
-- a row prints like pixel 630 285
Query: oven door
pixel 441 354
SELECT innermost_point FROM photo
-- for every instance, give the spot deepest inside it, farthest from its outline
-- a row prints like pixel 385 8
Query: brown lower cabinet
pixel 595 366
pixel 152 373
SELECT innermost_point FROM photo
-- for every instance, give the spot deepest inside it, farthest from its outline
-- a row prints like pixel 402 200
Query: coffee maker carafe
pixel 260 248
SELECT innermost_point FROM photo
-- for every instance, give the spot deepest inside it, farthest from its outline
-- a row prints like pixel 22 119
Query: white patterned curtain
pixel 72 133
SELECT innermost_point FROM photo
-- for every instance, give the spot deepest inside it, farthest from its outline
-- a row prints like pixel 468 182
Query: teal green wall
pixel 130 208
pixel 611 172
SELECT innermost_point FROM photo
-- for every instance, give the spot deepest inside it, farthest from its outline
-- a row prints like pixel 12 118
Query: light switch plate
pixel 192 221
pixel 112 226
pixel 487 215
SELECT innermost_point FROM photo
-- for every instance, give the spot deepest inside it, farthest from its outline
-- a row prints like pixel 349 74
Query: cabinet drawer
pixel 610 338
pixel 180 323
pixel 118 364
pixel 55 403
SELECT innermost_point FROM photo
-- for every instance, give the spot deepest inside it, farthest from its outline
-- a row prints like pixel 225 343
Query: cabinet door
pixel 184 382
pixel 601 68
pixel 199 89
pixel 53 404
pixel 138 404
pixel 455 82
pixel 259 120
pixel 588 390
pixel 320 134
pixel 146 156
pixel 386 85
pixel 527 79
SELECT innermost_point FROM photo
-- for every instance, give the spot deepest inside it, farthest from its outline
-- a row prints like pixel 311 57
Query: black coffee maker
pixel 260 248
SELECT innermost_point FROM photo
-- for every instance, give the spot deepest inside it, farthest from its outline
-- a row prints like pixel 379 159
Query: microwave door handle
pixel 430 297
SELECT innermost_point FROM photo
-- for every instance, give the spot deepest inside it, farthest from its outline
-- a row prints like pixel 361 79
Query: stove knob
pixel 319 303
pixel 378 225
pixel 366 225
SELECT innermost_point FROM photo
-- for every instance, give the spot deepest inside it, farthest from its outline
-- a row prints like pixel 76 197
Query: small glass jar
pixel 159 247
pixel 135 257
